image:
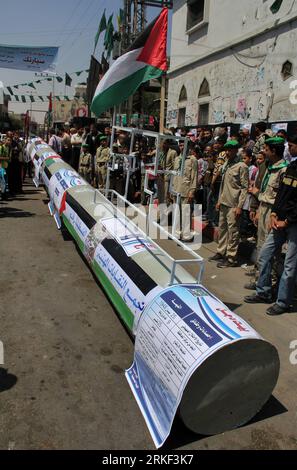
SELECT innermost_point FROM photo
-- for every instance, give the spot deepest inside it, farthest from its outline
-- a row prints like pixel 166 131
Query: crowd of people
pixel 246 187
pixel 13 167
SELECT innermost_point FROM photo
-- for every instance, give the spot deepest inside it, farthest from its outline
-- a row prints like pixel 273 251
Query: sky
pixel 69 24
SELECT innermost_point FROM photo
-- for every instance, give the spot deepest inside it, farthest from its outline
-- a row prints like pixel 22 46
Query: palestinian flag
pixel 146 59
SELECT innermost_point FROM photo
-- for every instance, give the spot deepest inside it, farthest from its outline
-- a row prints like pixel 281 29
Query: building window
pixel 204 89
pixel 181 117
pixel 195 12
pixel 183 94
pixel 287 70
pixel 203 118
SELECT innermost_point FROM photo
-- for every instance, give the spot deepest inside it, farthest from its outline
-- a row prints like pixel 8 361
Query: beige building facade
pixel 232 61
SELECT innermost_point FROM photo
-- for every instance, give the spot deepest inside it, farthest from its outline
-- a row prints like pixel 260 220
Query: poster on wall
pixel 280 126
pixel 247 126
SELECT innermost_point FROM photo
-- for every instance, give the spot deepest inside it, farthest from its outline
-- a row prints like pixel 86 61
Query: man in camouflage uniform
pixel 166 162
pixel 215 184
pixel 85 164
pixel 186 186
pixel 260 129
pixel 233 192
pixel 274 151
pixel 274 179
pixel 101 160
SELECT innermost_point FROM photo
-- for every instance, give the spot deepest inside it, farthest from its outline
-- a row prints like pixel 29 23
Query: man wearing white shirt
pixel 76 143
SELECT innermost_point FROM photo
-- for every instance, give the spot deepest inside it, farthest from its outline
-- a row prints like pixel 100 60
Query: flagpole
pixel 114 116
pixel 162 104
pixel 53 101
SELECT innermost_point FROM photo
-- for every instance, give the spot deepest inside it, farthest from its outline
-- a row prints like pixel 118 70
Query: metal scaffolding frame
pixel 130 167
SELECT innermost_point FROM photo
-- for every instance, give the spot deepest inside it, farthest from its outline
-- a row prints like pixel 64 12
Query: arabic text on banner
pixel 34 59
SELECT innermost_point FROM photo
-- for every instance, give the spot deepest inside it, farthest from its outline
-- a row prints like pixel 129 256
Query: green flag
pixel 275 7
pixel 102 27
pixel 59 79
pixel 109 29
pixel 17 98
pixel 32 85
pixel 41 98
pixel 23 98
pixel 58 98
pixel 9 90
pixel 32 99
pixel 16 86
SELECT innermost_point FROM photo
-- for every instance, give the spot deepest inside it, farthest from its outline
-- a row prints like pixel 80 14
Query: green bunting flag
pixel 66 98
pixel 275 7
pixel 109 28
pixel 16 86
pixel 31 85
pixel 102 27
pixel 32 99
pixel 17 98
pixel 9 90
pixel 58 98
pixel 59 79
pixel 68 80
pixel 23 99
pixel 41 98
pixel 79 73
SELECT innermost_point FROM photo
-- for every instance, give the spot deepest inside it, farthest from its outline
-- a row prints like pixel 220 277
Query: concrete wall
pixel 240 57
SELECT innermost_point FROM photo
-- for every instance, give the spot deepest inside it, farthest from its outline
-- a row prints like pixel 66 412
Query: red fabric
pixel 63 204
pixel 154 50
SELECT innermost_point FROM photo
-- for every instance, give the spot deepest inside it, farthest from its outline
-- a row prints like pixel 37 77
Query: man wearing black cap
pixel 283 229
pixel 233 193
pixel 101 161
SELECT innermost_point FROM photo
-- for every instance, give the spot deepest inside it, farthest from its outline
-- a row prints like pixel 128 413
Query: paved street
pixel 63 386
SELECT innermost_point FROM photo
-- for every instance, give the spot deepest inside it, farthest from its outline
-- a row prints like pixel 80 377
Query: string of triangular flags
pixel 33 99
pixel 68 81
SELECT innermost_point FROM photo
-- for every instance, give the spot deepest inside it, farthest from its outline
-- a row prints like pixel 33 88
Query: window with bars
pixel 181 117
pixel 203 118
